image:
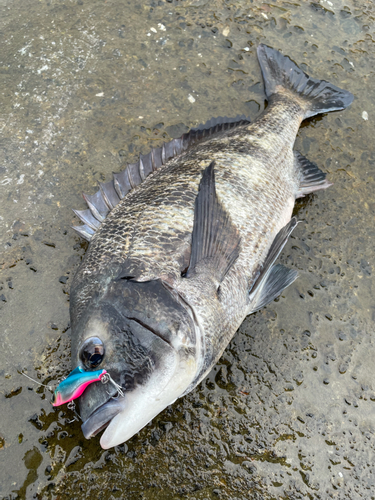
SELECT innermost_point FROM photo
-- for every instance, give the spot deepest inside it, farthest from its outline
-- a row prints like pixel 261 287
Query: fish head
pixel 146 341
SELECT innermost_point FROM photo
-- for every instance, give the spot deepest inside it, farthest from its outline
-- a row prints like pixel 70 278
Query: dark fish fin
pixel 85 231
pixel 87 218
pixel 320 96
pixel 278 278
pixel 272 280
pixel 112 192
pixel 219 124
pixel 311 177
pixel 135 173
pixel 215 239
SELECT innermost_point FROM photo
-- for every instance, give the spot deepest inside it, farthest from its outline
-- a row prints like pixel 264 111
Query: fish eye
pixel 92 352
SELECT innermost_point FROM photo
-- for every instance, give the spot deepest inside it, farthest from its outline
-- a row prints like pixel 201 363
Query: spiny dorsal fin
pixel 272 279
pixel 215 239
pixel 112 192
pixel 311 177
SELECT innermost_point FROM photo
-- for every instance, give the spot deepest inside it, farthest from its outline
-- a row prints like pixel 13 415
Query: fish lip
pixel 101 418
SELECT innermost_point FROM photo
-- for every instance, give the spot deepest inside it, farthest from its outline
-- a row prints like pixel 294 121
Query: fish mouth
pixel 101 418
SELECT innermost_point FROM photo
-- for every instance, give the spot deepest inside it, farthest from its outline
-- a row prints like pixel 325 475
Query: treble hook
pixel 107 378
pixel 71 406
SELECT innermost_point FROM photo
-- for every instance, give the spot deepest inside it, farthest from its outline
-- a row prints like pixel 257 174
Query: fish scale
pixel 129 229
pixel 182 248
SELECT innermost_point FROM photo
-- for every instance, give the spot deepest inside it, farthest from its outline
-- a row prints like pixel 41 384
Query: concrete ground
pixel 289 410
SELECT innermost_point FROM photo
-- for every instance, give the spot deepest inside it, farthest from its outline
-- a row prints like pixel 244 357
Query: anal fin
pixel 311 177
pixel 215 239
pixel 272 280
pixel 278 278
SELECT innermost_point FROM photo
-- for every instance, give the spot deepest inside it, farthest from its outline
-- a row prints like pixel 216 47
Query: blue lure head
pixel 74 385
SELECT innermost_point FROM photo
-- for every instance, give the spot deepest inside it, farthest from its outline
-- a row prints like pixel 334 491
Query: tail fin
pixel 320 96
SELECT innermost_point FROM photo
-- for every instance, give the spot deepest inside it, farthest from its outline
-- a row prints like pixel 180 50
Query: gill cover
pixel 151 351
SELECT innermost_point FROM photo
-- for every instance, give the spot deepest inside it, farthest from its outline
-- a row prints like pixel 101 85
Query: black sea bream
pixel 183 247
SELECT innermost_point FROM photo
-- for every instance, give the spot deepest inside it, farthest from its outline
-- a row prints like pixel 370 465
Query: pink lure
pixel 74 385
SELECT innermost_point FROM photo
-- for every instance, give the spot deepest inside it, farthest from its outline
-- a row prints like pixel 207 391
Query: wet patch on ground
pixel 288 412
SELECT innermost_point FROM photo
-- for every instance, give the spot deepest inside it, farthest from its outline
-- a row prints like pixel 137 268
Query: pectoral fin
pixel 272 280
pixel 215 239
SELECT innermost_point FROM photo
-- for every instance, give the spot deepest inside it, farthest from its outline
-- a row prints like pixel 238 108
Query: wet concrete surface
pixel 289 411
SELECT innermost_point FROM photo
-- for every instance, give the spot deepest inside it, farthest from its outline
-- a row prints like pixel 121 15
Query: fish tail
pixel 280 73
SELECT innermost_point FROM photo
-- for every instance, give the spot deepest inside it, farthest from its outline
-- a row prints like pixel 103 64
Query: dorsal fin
pixel 112 192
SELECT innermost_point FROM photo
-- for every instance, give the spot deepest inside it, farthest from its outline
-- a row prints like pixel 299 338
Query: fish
pixel 182 249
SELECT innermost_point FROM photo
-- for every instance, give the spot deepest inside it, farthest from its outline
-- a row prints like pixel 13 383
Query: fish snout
pixel 101 417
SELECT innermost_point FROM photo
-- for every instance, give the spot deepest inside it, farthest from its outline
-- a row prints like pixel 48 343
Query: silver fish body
pixel 182 249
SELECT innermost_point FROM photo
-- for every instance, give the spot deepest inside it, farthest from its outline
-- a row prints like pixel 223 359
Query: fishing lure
pixel 75 383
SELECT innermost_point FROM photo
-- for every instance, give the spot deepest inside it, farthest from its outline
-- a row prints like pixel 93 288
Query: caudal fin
pixel 280 71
